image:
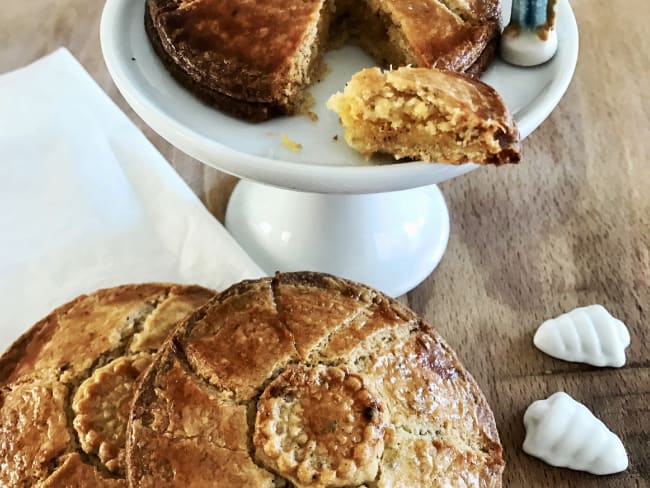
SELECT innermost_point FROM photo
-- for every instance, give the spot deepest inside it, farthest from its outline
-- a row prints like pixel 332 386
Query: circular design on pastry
pixel 320 426
pixel 67 383
pixel 101 406
pixel 308 380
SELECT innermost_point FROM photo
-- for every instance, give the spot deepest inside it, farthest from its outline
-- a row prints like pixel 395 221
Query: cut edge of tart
pixel 426 114
pixel 249 60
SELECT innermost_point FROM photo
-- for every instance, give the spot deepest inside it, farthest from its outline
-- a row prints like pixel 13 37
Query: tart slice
pixel 427 114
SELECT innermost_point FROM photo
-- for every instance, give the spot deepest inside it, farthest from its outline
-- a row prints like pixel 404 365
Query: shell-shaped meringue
pixel 585 335
pixel 563 432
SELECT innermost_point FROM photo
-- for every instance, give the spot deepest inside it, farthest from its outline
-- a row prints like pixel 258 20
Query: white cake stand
pixel 322 208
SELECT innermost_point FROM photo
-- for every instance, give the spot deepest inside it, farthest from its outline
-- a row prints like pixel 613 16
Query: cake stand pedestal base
pixel 390 241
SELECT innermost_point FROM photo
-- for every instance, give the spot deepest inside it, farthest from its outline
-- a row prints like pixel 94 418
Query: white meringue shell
pixel 563 432
pixel 585 335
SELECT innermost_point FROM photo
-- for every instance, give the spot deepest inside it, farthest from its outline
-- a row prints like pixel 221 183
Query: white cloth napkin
pixel 87 202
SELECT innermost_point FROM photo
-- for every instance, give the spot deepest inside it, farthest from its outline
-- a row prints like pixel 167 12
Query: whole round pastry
pixel 255 59
pixel 308 380
pixel 66 385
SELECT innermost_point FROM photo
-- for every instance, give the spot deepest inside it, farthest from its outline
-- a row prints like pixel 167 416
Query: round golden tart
pixel 308 380
pixel 255 58
pixel 66 385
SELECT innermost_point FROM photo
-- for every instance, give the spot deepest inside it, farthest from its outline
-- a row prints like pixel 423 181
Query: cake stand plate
pixel 346 216
pixel 389 240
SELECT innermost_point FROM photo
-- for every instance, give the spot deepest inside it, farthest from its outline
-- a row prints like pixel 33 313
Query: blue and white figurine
pixel 530 39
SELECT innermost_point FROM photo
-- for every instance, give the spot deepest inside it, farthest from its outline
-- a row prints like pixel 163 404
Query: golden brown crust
pixel 249 110
pixel 184 432
pixel 33 428
pixel 447 34
pixel 254 59
pixel 65 385
pixel 75 473
pixel 244 58
pixel 241 340
pixel 39 332
pixel 341 386
pixel 299 300
pixel 484 60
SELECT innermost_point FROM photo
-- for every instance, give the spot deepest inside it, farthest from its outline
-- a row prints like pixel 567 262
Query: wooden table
pixel 569 226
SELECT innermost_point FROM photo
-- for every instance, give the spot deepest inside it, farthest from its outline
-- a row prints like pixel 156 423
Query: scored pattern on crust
pixel 299 428
pixel 66 385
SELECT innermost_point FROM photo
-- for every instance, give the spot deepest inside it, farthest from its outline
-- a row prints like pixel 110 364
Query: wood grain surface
pixel 569 226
